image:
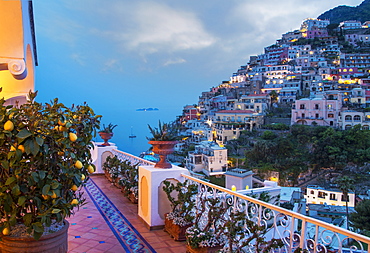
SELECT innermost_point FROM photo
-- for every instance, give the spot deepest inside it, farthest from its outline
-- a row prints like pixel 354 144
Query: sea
pixel 131 121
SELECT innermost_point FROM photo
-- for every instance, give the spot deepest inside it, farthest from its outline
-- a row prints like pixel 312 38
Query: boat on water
pixel 132 135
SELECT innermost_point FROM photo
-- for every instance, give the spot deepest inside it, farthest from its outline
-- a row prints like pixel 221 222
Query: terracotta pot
pixel 116 183
pixel 215 249
pixel 163 148
pixel 106 137
pixel 56 242
pixel 132 198
pixel 107 175
pixel 175 231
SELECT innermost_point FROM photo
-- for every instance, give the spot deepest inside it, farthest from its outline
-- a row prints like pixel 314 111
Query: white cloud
pixel 78 58
pixel 112 64
pixel 159 28
pixel 174 61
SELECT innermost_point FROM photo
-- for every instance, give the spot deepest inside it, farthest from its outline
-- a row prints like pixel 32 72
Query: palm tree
pixel 346 184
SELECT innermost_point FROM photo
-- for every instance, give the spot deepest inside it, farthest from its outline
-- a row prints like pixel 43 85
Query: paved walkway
pixel 109 223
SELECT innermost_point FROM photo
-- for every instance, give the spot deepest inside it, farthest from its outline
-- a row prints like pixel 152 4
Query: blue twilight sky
pixel 121 55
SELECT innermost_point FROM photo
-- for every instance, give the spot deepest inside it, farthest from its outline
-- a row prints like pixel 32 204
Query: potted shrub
pixel 45 158
pixel 181 197
pixel 107 133
pixel 112 169
pixel 207 233
pixel 164 138
pixel 129 181
pixel 243 234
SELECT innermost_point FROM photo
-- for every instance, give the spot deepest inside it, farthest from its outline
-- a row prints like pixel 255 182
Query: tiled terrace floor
pixel 89 231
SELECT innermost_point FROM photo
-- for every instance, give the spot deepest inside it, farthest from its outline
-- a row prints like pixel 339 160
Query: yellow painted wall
pixel 11 29
pixel 15 46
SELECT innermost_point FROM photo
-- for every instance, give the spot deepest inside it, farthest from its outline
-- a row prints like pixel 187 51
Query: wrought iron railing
pixel 299 233
pixel 133 159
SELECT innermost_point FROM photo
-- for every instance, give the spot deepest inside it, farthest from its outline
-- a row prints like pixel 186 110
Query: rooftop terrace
pixel 109 222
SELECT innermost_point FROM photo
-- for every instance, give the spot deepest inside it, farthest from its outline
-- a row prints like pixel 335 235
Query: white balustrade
pixel 133 159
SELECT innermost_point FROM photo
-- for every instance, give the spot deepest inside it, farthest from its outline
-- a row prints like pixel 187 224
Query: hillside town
pixel 315 76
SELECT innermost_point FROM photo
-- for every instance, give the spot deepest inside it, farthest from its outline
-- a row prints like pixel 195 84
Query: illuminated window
pixel 344 70
pixel 350 70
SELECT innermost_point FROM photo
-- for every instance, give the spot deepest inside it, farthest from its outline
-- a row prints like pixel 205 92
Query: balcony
pixel 110 223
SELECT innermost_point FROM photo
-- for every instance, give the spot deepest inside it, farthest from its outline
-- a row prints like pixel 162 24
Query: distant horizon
pixel 147 54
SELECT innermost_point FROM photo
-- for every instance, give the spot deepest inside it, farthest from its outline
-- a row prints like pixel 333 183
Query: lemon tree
pixel 38 176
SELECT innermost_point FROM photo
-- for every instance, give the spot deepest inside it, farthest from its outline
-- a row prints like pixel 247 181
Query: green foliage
pixel 211 233
pixel 226 224
pixel 218 180
pixel 108 129
pixel 361 218
pixel 342 13
pixel 126 172
pixel 129 178
pixel 345 184
pixel 37 161
pixel 164 132
pixel 113 166
pixel 307 146
pixel 183 203
pixel 241 232
pixel 277 126
pixel 268 135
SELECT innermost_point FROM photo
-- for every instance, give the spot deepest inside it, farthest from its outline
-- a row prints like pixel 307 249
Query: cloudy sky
pixel 121 55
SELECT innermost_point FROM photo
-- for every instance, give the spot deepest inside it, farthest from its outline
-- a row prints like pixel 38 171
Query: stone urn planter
pixel 106 137
pixel 55 242
pixel 163 148
pixel 214 249
pixel 175 231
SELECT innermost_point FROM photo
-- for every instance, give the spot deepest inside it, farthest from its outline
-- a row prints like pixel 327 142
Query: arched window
pixel 348 118
pixel 365 127
pixel 348 127
pixel 357 118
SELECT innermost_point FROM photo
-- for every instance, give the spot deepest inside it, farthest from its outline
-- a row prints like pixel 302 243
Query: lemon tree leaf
pixel 10 180
pixel 23 134
pixel 45 189
pixel 21 200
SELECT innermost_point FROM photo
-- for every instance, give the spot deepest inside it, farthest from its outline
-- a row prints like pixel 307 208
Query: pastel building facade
pixel 323 110
pixel 351 118
pixel 319 195
pixel 228 124
pixel 209 158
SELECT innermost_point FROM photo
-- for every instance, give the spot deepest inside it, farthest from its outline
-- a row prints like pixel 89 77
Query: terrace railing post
pixel 152 199
pixel 99 154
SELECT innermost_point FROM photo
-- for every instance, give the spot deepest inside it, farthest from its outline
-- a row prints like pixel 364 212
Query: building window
pixel 344 197
pixel 348 118
pixel 316 115
pixel 316 106
pixel 365 127
pixel 301 106
pixel 357 118
pixel 330 115
pixel 321 194
pixel 333 196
